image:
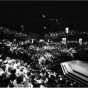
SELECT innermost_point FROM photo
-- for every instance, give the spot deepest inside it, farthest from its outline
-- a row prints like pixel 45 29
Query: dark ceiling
pixel 29 13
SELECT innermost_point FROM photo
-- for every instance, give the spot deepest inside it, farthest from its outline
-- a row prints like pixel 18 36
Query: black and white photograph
pixel 43 44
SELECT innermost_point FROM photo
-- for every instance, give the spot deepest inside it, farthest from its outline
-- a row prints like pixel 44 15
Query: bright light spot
pixel 45 27
pixel 67 30
pixel 43 16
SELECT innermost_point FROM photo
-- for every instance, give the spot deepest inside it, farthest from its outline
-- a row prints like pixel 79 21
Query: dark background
pixel 29 13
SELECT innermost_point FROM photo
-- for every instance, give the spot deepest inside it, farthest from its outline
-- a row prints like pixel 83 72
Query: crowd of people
pixel 28 62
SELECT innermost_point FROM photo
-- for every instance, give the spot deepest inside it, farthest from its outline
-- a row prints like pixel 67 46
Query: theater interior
pixel 43 44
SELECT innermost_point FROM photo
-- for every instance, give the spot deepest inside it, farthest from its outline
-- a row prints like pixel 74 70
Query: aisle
pixel 76 69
